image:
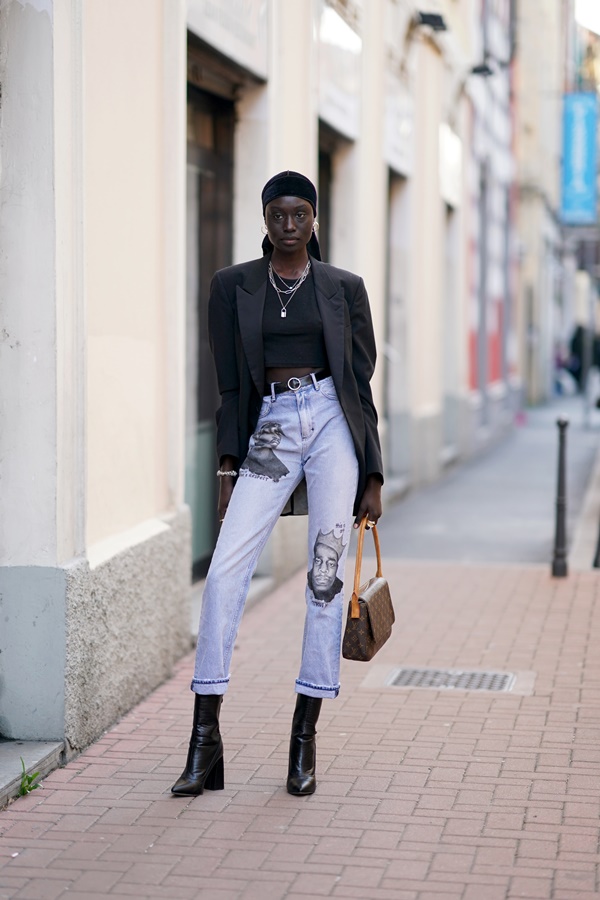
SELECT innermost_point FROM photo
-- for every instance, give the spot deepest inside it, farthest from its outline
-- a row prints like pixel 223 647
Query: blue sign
pixel 580 167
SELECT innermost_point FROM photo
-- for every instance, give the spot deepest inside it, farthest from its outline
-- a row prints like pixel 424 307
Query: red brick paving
pixel 423 795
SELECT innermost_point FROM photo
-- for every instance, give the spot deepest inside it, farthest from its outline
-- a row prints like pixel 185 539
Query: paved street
pixel 499 507
pixel 423 794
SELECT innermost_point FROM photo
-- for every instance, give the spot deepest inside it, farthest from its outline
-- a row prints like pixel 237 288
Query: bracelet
pixel 222 474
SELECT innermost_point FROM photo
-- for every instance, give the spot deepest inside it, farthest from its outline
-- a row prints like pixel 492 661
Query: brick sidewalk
pixel 422 794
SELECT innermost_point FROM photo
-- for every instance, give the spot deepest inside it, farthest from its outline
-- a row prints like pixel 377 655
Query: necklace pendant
pixel 283 313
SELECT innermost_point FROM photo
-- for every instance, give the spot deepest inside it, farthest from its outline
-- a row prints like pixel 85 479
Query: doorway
pixel 335 196
pixel 210 144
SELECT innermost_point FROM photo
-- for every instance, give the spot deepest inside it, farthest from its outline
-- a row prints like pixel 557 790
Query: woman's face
pixel 289 221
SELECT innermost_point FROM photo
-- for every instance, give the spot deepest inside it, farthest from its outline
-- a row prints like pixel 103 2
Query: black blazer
pixel 235 314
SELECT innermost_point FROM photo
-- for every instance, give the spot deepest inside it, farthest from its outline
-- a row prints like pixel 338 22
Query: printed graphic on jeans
pixel 322 577
pixel 262 461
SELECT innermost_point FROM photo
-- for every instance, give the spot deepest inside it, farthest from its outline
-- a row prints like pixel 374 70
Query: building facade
pixel 123 188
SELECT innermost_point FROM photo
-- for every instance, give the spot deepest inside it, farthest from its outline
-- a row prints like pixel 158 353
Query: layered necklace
pixel 287 292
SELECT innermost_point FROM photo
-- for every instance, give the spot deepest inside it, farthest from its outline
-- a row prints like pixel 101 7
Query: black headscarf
pixel 290 184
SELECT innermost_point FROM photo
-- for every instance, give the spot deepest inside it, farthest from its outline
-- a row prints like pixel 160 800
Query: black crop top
pixel 297 339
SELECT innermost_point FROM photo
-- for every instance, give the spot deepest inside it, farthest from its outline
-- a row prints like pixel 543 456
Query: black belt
pixel 294 384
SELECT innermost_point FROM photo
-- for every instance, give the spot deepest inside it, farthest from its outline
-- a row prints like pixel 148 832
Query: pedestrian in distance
pixel 294 350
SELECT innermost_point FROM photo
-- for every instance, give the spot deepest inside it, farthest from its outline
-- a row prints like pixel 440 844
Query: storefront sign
pixel 237 28
pixel 340 49
pixel 580 159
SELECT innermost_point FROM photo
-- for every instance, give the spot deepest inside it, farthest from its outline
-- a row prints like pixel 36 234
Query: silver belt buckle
pixel 296 385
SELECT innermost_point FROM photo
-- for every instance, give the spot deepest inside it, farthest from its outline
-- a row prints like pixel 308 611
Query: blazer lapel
pixel 250 305
pixel 330 300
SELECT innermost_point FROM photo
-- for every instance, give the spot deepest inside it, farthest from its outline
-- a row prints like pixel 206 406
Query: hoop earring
pixel 264 229
pixel 315 226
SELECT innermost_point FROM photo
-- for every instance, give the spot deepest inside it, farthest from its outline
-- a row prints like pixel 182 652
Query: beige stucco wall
pixel 369 224
pixel 539 83
pixel 126 320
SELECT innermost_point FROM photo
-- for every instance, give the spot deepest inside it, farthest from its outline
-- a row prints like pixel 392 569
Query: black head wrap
pixel 291 184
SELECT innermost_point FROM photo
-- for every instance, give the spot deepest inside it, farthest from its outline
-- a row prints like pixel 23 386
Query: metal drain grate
pixel 452 679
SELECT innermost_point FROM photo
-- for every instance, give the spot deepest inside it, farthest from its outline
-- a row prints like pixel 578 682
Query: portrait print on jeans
pixel 261 459
pixel 322 578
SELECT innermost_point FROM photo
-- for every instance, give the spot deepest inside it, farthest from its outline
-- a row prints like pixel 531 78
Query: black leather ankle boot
pixel 204 766
pixel 303 751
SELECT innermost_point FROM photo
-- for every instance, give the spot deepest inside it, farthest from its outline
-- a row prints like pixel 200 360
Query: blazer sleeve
pixel 364 356
pixel 222 328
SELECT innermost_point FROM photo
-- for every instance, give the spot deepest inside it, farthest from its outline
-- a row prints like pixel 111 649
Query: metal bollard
pixel 596 563
pixel 559 560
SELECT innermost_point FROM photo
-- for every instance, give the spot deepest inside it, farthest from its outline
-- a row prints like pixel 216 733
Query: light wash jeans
pixel 301 433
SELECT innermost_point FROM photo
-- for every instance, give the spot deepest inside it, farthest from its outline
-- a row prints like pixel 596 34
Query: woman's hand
pixel 370 502
pixel 226 485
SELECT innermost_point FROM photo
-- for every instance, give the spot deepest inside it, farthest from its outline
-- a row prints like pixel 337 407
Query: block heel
pixel 215 780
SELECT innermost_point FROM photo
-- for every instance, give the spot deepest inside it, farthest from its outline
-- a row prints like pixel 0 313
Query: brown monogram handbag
pixel 370 611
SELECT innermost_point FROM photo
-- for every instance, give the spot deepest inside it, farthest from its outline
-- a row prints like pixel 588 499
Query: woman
pixel 294 351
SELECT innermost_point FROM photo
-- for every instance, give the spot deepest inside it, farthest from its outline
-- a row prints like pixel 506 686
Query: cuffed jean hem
pixel 210 687
pixel 316 690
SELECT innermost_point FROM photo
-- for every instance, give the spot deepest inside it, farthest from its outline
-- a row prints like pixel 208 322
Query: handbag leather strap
pixel 354 607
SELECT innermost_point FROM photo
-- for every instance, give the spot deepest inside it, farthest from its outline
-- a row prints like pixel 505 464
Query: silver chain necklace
pixel 287 290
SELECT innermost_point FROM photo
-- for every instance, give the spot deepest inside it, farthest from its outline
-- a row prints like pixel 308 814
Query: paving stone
pixel 422 794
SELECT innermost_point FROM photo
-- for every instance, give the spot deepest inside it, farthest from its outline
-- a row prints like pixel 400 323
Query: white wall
pixel 70 280
pixel 28 366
